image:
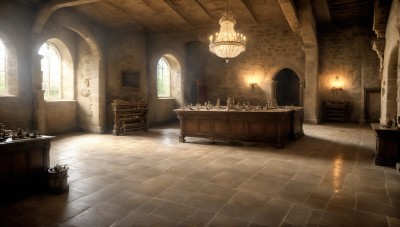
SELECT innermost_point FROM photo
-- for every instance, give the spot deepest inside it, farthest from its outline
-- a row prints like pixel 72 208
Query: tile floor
pixel 326 178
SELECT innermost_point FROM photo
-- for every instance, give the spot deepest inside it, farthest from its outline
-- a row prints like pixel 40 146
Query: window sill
pixel 59 100
pixel 165 98
pixel 8 96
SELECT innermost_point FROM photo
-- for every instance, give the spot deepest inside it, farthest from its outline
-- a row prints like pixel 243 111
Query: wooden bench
pixel 129 115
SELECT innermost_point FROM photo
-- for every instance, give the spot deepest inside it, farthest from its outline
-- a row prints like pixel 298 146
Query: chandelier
pixel 227 43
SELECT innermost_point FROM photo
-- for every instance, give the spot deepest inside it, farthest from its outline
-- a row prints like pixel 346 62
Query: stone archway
pixel 89 74
pixel 161 109
pixel 287 89
pixel 391 96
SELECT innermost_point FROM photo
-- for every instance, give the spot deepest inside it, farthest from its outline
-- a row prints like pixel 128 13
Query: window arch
pixel 51 68
pixel 163 78
pixel 3 70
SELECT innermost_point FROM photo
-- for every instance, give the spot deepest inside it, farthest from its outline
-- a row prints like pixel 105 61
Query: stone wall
pixel 60 116
pixel 390 99
pixel 15 24
pixel 126 52
pixel 346 53
pixel 267 52
pixel 173 46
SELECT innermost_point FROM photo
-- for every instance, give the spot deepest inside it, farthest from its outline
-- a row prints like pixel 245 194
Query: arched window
pixel 3 59
pixel 51 68
pixel 163 78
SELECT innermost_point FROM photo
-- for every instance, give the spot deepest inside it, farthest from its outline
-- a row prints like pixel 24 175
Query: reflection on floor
pixel 326 178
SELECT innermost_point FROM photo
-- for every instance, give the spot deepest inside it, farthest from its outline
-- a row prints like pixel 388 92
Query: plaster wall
pixel 61 117
pixel 15 23
pixel 346 53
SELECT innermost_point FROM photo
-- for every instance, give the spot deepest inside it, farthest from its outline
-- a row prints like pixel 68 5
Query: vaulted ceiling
pixel 184 15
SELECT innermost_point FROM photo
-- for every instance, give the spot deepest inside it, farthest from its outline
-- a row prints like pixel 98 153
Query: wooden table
pixel 387 145
pixel 22 165
pixel 276 126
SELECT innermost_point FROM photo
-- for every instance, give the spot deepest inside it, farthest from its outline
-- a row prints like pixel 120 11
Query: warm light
pixel 337 173
pixel 252 81
pixel 337 86
pixel 253 84
pixel 227 43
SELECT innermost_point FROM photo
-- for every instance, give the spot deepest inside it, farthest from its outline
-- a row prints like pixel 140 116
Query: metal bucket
pixel 57 181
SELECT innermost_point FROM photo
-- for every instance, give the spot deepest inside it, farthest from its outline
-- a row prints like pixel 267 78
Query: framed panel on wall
pixel 130 79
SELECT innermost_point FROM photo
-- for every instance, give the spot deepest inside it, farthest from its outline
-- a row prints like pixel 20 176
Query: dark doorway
pixel 287 88
pixel 372 105
pixel 196 54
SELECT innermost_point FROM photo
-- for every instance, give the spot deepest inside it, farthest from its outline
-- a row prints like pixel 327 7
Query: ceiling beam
pixel 130 15
pixel 321 10
pixel 204 9
pixel 250 12
pixel 48 9
pixel 173 7
pixel 289 10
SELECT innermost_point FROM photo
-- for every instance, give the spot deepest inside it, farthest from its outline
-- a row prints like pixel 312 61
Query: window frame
pixel 165 62
pixel 4 70
pixel 49 80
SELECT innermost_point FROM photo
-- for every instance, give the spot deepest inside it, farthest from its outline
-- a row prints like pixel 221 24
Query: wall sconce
pixel 253 84
pixel 337 86
pixel 252 81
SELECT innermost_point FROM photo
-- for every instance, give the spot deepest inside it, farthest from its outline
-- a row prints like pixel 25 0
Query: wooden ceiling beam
pixel 173 7
pixel 290 12
pixel 48 9
pixel 250 12
pixel 321 10
pixel 130 15
pixel 203 8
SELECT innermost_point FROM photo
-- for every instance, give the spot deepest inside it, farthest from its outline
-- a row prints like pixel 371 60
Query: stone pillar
pixel 301 91
pixel 273 89
pixel 378 45
pixel 362 112
pixel 311 105
pixel 39 105
pixel 311 54
pixel 201 91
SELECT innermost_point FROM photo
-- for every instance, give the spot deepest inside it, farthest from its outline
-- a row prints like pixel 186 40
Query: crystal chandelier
pixel 227 43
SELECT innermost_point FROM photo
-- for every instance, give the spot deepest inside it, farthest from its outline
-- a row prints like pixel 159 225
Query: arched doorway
pixel 389 104
pixel 287 89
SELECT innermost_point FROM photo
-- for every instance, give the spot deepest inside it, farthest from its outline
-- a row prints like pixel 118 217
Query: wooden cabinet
pixel 334 111
pixel 276 127
pixel 129 116
pixel 22 166
pixel 387 145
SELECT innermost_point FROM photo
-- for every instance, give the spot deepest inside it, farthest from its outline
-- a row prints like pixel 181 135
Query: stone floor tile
pixel 272 213
pixel 298 215
pixel 222 220
pixel 329 175
pixel 174 212
pixel 217 191
pixel 205 202
pixel 377 208
pixel 102 214
pixel 200 218
pixel 263 184
pixel 299 187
